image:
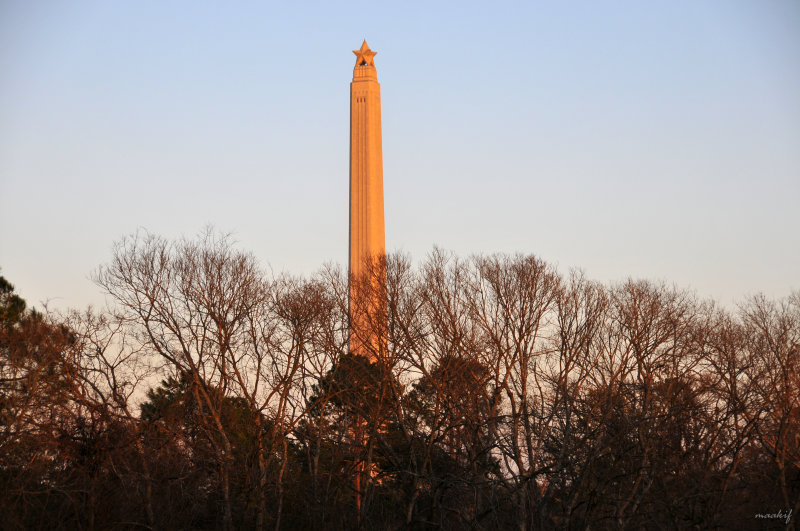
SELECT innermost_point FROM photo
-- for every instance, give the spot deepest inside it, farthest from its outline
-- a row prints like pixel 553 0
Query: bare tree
pixel 189 303
pixel 486 393
pixel 773 339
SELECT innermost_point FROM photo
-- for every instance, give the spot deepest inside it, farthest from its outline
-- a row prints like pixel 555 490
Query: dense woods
pixel 210 394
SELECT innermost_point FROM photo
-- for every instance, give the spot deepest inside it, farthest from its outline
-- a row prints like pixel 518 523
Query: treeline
pixel 508 396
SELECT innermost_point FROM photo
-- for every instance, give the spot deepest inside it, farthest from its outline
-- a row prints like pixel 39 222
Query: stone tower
pixel 367 231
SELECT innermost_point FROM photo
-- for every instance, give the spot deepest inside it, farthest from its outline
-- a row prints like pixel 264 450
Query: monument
pixel 367 231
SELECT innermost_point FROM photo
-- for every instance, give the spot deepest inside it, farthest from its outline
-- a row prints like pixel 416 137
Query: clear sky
pixel 653 139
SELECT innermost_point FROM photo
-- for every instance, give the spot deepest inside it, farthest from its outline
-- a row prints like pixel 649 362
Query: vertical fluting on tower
pixel 367 229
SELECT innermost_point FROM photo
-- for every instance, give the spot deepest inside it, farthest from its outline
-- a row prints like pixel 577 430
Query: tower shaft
pixel 367 229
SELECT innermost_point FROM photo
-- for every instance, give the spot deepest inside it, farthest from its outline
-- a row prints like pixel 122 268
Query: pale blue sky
pixel 656 140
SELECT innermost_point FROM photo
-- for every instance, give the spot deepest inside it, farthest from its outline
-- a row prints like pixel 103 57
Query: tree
pixel 37 367
pixel 773 340
pixel 189 303
pixel 495 394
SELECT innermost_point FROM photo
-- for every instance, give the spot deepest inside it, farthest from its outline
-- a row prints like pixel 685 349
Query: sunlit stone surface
pixel 367 231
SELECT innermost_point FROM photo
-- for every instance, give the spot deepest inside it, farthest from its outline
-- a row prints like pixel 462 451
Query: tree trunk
pixel 280 484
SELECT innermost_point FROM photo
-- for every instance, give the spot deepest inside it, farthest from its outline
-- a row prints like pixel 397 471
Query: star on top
pixel 364 56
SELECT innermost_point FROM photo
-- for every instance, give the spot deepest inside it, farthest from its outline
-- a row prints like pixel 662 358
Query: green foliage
pixel 174 405
pixel 12 306
pixel 353 386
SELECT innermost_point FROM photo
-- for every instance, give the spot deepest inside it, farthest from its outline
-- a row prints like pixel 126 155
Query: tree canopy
pixel 211 394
